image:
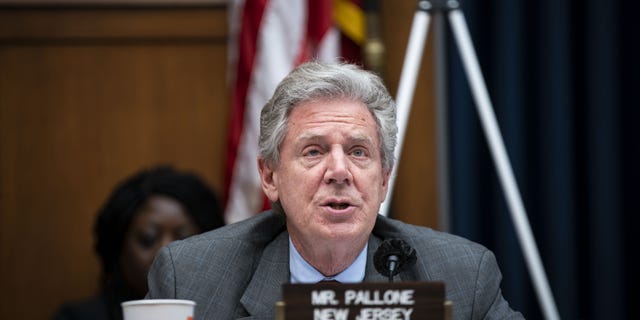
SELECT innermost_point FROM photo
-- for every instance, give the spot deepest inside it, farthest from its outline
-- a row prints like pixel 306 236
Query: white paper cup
pixel 158 309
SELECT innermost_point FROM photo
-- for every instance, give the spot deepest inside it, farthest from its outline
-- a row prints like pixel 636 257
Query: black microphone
pixel 393 256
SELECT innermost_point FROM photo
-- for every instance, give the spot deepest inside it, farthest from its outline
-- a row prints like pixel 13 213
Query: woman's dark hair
pixel 118 211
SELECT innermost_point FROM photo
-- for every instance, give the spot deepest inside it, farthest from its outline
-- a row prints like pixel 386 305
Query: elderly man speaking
pixel 327 138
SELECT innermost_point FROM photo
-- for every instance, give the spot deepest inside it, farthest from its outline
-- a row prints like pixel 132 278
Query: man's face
pixel 330 180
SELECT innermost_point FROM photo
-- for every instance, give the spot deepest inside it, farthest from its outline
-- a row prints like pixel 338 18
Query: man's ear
pixel 268 180
pixel 386 175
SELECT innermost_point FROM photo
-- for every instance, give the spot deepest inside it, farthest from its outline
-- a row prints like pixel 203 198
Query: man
pixel 327 138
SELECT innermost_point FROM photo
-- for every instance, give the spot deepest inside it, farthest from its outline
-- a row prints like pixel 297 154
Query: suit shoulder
pixel 257 232
pixel 424 238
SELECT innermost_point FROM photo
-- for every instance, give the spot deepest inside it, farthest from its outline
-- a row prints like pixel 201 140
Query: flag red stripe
pixel 319 19
pixel 252 14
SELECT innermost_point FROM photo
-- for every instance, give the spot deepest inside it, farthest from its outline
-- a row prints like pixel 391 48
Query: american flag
pixel 268 38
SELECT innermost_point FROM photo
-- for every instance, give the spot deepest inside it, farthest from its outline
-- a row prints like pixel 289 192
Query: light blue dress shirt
pixel 303 272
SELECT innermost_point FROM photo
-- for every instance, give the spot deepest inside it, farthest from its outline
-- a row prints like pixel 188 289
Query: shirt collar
pixel 302 272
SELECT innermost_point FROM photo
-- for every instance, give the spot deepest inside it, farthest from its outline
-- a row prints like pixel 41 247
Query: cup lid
pixel 158 301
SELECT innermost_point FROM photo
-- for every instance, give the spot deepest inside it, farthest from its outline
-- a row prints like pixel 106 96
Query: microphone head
pixel 390 249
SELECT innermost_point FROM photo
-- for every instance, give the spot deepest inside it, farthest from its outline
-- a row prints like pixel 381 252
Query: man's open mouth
pixel 338 206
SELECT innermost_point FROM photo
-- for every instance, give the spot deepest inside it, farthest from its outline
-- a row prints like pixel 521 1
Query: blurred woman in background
pixel 143 213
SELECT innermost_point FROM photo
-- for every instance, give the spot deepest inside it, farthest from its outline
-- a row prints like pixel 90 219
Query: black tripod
pixel 417 39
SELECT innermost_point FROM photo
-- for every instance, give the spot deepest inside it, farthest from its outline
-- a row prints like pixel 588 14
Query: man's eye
pixel 358 153
pixel 312 152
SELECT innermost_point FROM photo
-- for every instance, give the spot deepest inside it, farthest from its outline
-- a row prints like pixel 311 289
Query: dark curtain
pixel 563 77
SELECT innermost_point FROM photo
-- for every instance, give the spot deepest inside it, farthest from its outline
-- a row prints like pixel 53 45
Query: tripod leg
pixel 501 161
pixel 406 88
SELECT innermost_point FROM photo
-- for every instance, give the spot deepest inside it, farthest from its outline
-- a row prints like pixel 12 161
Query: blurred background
pixel 92 91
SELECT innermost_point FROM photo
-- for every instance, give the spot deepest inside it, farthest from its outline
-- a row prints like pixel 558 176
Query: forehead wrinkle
pixel 321 117
pixel 308 120
pixel 353 138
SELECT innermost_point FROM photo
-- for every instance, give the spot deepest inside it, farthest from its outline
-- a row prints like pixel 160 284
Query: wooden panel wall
pixel 88 95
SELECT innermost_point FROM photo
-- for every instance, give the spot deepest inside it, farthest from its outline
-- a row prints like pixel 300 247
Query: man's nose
pixel 338 168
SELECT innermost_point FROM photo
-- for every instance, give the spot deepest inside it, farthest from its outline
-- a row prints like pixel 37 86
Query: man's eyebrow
pixel 309 137
pixel 305 139
pixel 361 139
pixel 353 139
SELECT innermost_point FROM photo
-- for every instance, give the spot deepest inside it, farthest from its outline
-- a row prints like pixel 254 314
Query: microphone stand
pixel 484 107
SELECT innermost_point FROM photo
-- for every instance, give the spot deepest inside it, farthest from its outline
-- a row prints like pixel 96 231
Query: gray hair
pixel 316 81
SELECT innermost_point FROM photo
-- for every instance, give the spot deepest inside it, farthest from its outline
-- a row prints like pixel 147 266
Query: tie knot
pixel 329 281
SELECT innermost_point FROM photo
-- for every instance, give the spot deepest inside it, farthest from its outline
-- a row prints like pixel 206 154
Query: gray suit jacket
pixel 236 272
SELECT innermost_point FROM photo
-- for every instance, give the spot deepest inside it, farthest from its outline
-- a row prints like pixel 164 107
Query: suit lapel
pixel 371 274
pixel 265 288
